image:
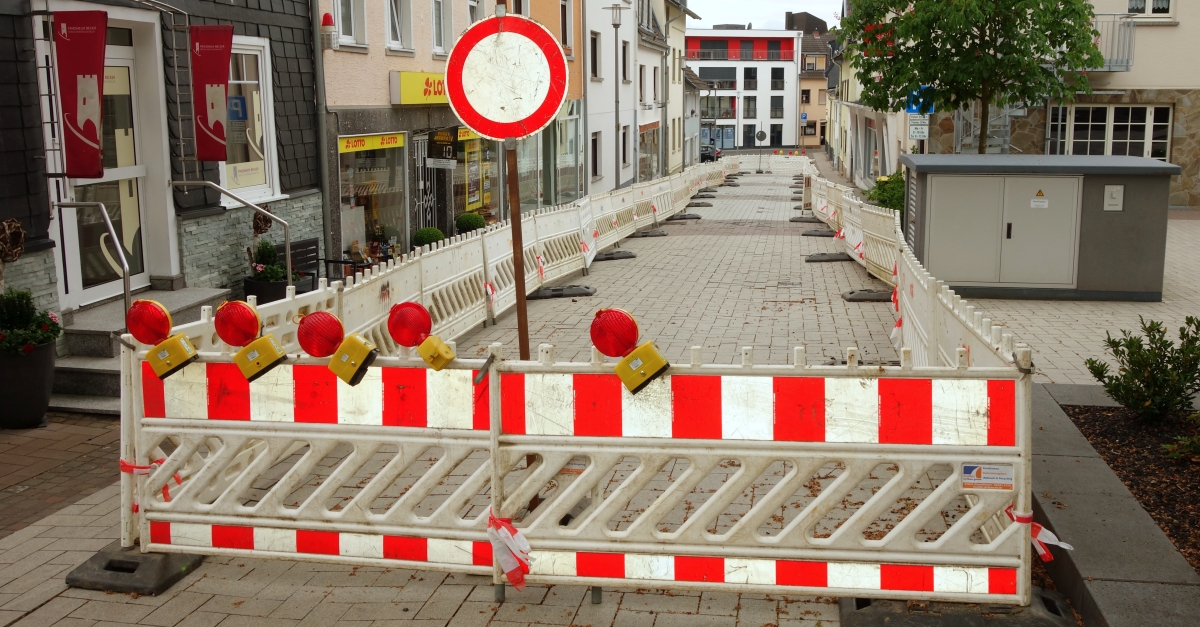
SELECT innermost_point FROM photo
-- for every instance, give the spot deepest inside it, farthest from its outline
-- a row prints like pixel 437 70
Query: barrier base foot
pixel 699 204
pixel 498 590
pixel 707 190
pixel 819 233
pixel 684 216
pixel 597 595
pixel 1048 609
pixel 703 197
pixel 868 296
pixel 650 233
pixel 114 569
pixel 562 291
pixel 806 219
pixel 733 184
pixel 800 186
pixel 616 255
pixel 825 257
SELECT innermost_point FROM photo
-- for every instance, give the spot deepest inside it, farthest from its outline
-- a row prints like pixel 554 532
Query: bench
pixel 306 255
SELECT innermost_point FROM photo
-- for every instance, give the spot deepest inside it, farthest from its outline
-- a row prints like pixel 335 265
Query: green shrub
pixel 22 326
pixel 1155 379
pixel 268 266
pixel 427 235
pixel 1185 447
pixel 888 192
pixel 266 255
pixel 468 222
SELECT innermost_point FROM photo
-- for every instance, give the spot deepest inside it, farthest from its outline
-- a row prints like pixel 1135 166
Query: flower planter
pixel 25 384
pixel 266 291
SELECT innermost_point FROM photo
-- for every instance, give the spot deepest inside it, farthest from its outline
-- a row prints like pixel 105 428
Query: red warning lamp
pixel 615 333
pixel 237 324
pixel 409 324
pixel 150 323
pixel 320 333
pixel 327 21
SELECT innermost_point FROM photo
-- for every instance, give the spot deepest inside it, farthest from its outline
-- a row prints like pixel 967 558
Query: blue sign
pixel 916 101
pixel 803 116
pixel 236 108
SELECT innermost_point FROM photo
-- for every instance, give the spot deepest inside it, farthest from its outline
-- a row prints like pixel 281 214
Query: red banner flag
pixel 79 38
pixel 211 49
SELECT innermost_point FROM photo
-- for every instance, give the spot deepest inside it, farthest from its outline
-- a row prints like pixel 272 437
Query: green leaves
pixel 1156 379
pixel 997 51
pixel 22 326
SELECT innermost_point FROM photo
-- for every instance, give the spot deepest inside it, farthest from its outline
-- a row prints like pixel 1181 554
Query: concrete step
pixel 88 376
pixel 90 333
pixel 106 405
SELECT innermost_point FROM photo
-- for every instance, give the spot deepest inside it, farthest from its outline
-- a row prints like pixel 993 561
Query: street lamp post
pixel 617 147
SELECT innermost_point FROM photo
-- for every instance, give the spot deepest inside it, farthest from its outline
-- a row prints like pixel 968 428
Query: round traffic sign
pixel 761 135
pixel 506 77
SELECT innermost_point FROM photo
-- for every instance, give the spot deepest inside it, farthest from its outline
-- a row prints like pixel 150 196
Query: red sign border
pixel 535 121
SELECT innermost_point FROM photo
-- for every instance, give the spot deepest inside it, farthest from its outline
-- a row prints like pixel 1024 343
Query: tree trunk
pixel 984 123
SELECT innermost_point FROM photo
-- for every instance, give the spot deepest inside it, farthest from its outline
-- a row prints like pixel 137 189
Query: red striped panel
pixel 1002 581
pixel 598 405
pixel 481 553
pixel 688 568
pixel 905 577
pixel 512 403
pixel 319 542
pixel 789 573
pixel 905 411
pixel 696 407
pixel 160 532
pixel 315 394
pixel 481 417
pixel 405 548
pixel 1002 413
pixel 405 402
pixel 799 409
pixel 232 537
pixel 600 565
pixel 228 393
pixel 154 398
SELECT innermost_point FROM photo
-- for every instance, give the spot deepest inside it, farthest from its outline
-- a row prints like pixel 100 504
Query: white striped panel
pixel 449 551
pixel 185 393
pixel 549 404
pixel 191 534
pixel 649 567
pixel 965 579
pixel 361 404
pixel 851 410
pixel 360 545
pixel 560 563
pixel 278 540
pixel 647 414
pixel 747 408
pixel 960 412
pixel 273 396
pixel 853 574
pixel 450 399
pixel 753 571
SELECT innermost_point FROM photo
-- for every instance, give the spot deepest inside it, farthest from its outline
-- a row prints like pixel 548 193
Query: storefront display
pixel 476 181
pixel 373 217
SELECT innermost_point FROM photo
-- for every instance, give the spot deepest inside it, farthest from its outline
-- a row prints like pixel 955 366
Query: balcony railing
pixel 741 55
pixel 1116 41
pixel 720 113
pixel 777 85
pixel 751 112
pixel 750 84
pixel 724 84
pixel 776 112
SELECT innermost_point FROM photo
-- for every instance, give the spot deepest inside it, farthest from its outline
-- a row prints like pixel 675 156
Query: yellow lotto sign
pixel 370 142
pixel 465 134
pixel 422 88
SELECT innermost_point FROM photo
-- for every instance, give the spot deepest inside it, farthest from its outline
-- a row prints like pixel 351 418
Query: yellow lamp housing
pixel 435 352
pixel 352 358
pixel 171 355
pixel 259 357
pixel 640 367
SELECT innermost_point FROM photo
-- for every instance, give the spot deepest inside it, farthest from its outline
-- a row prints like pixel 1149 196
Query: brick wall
pixel 36 273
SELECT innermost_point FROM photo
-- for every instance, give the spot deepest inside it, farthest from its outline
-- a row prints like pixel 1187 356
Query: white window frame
pixel 595 46
pixel 625 62
pixel 597 150
pixel 405 27
pixel 447 10
pixel 1148 15
pixel 1069 131
pixel 565 38
pixel 358 21
pixel 270 190
pixel 625 146
pixel 473 4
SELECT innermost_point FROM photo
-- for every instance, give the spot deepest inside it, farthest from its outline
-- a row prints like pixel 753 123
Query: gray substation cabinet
pixel 1040 226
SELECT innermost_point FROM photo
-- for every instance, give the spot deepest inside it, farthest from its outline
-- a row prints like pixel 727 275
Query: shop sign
pixel 441 153
pixel 418 88
pixel 358 143
pixel 211 49
pixel 465 134
pixel 79 39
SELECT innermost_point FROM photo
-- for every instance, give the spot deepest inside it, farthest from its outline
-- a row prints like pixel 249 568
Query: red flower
pixel 28 348
pixel 1 337
pixel 45 327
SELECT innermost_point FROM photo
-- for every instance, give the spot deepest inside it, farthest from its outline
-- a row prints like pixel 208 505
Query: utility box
pixel 1055 227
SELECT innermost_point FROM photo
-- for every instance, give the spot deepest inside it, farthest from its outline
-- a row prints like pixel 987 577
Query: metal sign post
pixel 518 245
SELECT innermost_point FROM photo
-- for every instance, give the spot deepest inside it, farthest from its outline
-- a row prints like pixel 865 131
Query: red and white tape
pixel 1040 535
pixel 510 549
pixel 135 469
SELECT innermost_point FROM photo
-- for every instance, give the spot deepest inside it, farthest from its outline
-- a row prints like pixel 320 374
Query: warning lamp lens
pixel 327 20
pixel 320 333
pixel 409 323
pixel 614 332
pixel 148 321
pixel 237 323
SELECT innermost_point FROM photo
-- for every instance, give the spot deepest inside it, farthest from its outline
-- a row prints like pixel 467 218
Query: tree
pixel 994 51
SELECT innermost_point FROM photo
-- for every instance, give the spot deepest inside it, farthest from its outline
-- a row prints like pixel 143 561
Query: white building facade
pixel 610 69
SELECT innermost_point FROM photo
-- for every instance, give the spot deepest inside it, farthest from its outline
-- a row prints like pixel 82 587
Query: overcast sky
pixel 760 13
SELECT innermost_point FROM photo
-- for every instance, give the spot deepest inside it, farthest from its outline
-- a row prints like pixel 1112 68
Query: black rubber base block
pixel 562 291
pixel 699 204
pixel 650 233
pixel 708 190
pixel 1048 609
pixel 819 233
pixel 685 216
pixel 825 257
pixel 805 219
pixel 615 255
pixel 801 208
pixel 797 187
pixel 703 197
pixel 113 569
pixel 868 296
pixel 731 184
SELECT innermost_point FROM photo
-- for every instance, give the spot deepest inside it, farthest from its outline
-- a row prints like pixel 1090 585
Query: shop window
pixel 250 166
pixel 399 24
pixel 351 22
pixel 372 191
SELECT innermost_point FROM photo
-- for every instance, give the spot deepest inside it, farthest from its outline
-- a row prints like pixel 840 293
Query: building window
pixel 624 146
pixel 776 134
pixel 1157 7
pixel 776 107
pixel 374 215
pixel 472 11
pixel 250 147
pixel 1056 138
pixel 625 61
pixel 751 107
pixel 564 22
pixel 750 78
pixel 821 96
pixel 641 83
pixel 594 61
pixel 777 79
pixel 399 24
pixel 596 169
pixel 1122 130
pixel 804 96
pixel 351 20
pixel 655 78
pixel 439 26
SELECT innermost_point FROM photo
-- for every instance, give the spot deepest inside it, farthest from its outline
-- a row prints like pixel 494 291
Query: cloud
pixel 761 13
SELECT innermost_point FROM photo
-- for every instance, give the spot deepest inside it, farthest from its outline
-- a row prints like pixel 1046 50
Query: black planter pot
pixel 25 384
pixel 266 291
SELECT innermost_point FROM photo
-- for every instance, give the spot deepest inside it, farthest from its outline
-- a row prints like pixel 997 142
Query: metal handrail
pixel 112 232
pixel 287 231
